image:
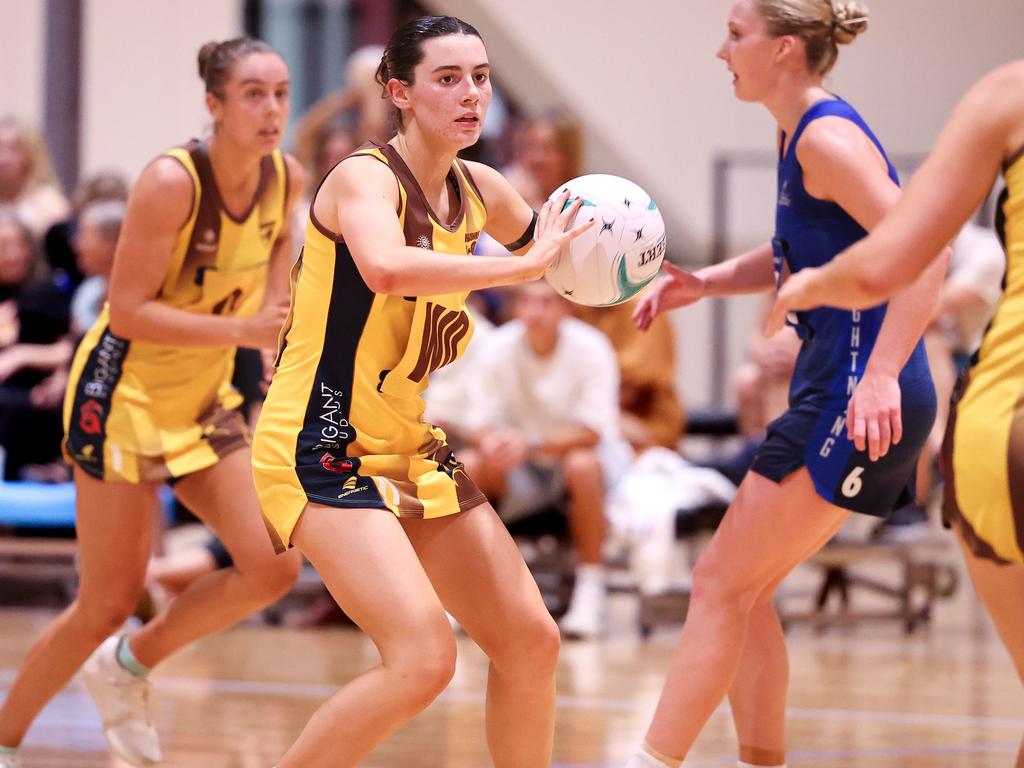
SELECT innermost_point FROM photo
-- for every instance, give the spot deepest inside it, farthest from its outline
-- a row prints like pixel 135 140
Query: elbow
pixel 380 279
pixel 120 322
pixel 875 287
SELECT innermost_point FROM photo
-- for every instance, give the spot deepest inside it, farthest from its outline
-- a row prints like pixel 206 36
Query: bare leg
pixel 368 564
pixel 1001 588
pixel 113 523
pixel 222 496
pixel 758 693
pixel 584 480
pixel 766 532
pixel 481 578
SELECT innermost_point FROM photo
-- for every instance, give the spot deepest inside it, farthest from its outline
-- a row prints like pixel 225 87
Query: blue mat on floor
pixel 37 505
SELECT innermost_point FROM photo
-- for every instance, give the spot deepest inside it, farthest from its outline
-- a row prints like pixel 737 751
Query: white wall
pixel 657 105
pixel 141 90
pixel 21 59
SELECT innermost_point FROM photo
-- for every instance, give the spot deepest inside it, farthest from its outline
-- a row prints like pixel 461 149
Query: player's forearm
pixel 906 319
pixel 568 439
pixel 751 272
pixel 410 271
pixel 158 323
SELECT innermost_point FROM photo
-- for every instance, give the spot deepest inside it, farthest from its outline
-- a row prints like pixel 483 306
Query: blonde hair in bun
pixel 823 25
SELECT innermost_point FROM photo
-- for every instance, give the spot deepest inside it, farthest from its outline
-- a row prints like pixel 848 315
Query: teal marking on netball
pixel 585 203
pixel 651 206
pixel 627 288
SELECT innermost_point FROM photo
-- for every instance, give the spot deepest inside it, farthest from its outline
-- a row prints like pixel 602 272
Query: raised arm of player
pixel 986 127
pixel 365 197
pixel 159 206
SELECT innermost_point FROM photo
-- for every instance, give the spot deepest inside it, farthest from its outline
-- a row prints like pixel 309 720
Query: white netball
pixel 620 254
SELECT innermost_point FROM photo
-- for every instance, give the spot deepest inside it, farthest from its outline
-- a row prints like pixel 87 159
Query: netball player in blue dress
pixel 861 397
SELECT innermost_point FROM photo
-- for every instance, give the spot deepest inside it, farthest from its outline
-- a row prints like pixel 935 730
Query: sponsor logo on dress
pixel 334 464
pixel 90 417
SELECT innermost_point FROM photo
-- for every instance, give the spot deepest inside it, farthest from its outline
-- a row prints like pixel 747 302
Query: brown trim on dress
pixel 951 513
pixel 405 176
pixel 1015 468
pixel 472 182
pixel 192 207
pixel 1013 158
pixel 317 224
pixel 204 168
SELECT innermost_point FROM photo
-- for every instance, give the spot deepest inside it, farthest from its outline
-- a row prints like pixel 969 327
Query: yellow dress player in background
pixel 346 468
pixel 984 449
pixel 201 267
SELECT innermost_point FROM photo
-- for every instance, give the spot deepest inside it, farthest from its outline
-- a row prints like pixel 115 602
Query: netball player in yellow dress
pixel 346 468
pixel 984 449
pixel 201 267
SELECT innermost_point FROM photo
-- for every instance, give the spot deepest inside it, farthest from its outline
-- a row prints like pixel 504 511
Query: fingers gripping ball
pixel 618 256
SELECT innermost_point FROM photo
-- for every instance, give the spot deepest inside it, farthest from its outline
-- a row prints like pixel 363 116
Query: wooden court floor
pixel 866 696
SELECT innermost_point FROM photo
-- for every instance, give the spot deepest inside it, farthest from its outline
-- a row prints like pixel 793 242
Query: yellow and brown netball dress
pixel 985 438
pixel 343 421
pixel 138 411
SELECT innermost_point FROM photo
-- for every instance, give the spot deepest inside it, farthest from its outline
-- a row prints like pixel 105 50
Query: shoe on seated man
pixel 585 619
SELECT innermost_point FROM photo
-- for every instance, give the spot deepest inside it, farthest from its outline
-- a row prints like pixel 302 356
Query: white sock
pixel 643 758
pixel 590 573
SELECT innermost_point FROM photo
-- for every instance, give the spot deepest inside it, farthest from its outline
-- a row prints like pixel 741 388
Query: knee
pixel 529 646
pixel 722 586
pixel 275 576
pixel 424 665
pixel 101 616
pixel 581 465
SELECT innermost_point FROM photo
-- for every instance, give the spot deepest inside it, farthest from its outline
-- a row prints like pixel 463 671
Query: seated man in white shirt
pixel 545 420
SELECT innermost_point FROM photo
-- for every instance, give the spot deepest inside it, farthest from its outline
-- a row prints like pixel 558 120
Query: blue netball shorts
pixel 807 436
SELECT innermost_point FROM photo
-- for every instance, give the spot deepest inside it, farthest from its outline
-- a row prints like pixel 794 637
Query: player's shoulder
pixel 361 173
pixel 168 170
pixel 296 174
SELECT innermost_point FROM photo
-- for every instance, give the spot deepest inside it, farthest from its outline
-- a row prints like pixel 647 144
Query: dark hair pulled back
pixel 216 60
pixel 405 49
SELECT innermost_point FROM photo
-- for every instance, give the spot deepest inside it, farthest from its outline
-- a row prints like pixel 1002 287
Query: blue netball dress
pixel 837 343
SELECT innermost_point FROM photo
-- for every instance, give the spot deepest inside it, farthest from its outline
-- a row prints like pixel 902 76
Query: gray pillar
pixel 62 106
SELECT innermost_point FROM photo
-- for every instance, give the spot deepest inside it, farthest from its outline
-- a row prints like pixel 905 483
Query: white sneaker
pixel 585 618
pixel 123 701
pixel 10 760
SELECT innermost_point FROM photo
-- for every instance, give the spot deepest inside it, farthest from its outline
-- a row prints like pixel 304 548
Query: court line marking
pixel 320 690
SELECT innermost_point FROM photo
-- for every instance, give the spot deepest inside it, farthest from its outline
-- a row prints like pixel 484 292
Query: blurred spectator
pixel 651 412
pixel 968 299
pixel 545 424
pixel 451 387
pixel 99 226
pixel 27 180
pixel 34 322
pixel 58 243
pixel 762 382
pixel 359 109
pixel 339 123
pixel 547 151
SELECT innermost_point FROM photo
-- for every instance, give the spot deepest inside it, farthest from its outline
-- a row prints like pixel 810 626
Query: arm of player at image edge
pixel 364 194
pixel 930 212
pixel 750 272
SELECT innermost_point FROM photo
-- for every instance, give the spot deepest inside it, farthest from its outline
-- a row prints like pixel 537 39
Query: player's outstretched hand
pixel 554 231
pixel 874 417
pixel 676 288
pixel 795 294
